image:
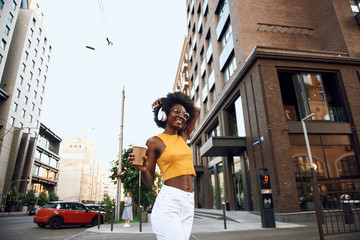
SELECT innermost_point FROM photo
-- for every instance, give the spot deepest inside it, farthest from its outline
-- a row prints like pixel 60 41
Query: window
pixel 1 57
pixel 12 121
pixel 38 42
pixel 39 111
pixel 28 87
pixel 13 5
pixel 33 63
pixel 28 44
pixel 37 82
pixel 23 67
pixel 26 100
pixel 355 5
pixel 7 30
pixel 34 21
pixel 10 17
pixel 35 94
pixel 32 106
pixel 31 32
pixel 39 71
pixel 23 113
pixel 18 92
pixel 15 106
pixel 226 36
pixel 213 94
pixel 221 8
pixel 3 44
pixel 1 4
pixel 235 119
pixel 348 167
pixel 41 100
pixel 26 55
pixel 36 53
pixel 229 68
pixel 21 80
pixel 306 93
pixel 40 31
pixel 31 75
pixel 303 176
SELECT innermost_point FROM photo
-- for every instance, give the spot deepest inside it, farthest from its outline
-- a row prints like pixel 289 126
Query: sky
pixel 84 87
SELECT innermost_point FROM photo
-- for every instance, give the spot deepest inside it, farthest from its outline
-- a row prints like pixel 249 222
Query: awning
pixel 223 146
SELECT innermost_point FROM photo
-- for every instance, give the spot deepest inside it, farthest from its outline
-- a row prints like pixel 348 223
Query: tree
pixel 42 199
pixel 30 199
pixel 108 204
pixel 13 199
pixel 53 197
pixel 130 180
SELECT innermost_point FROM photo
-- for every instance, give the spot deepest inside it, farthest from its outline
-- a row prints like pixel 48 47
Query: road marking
pixel 194 237
pixel 74 236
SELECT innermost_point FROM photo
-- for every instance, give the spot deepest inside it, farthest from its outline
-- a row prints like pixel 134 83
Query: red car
pixel 66 213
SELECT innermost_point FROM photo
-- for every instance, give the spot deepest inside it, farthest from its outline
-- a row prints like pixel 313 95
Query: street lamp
pixel 118 191
pixel 308 145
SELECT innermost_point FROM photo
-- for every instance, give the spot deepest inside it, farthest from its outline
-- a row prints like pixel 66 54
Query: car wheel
pixel 42 225
pixel 94 221
pixel 55 223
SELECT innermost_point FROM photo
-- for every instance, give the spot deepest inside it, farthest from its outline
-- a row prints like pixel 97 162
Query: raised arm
pixel 190 125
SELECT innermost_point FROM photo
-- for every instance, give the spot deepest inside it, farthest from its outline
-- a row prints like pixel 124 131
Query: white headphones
pixel 161 115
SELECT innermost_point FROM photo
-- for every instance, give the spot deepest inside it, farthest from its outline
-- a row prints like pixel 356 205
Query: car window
pixel 79 206
pixel 66 206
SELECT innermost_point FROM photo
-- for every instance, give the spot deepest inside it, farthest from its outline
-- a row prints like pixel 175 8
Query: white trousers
pixel 173 214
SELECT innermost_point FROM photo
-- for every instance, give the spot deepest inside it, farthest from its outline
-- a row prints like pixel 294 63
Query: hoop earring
pixel 161 115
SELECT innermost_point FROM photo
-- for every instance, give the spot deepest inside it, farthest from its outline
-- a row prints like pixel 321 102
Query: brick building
pixel 256 68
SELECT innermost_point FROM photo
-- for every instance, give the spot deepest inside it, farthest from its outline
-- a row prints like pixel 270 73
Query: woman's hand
pixel 142 168
pixel 156 103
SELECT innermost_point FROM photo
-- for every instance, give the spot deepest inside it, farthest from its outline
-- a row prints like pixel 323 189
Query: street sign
pixel 3 196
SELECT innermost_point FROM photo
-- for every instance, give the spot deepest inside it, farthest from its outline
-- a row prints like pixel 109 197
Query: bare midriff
pixel 183 182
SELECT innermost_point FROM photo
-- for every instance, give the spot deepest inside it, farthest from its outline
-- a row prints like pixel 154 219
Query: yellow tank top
pixel 177 159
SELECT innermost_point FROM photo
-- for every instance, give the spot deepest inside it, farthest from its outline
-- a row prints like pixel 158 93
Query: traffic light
pixel 28 180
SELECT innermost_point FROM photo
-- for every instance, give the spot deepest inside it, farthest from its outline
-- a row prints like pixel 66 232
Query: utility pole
pixel 118 192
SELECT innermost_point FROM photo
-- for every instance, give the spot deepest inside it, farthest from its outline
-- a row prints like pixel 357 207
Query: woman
pixel 127 212
pixel 173 212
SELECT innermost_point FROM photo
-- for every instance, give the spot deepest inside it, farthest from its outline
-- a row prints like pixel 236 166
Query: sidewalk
pixel 240 221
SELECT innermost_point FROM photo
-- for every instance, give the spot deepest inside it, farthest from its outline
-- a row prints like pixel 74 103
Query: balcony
pixel 204 93
pixel 209 53
pixel 199 24
pixel 197 80
pixel 189 20
pixel 225 54
pixel 203 67
pixel 205 6
pixel 211 80
pixel 222 21
pixel 194 42
pixel 192 92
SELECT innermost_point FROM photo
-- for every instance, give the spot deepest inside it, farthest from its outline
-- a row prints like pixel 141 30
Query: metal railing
pixel 338 210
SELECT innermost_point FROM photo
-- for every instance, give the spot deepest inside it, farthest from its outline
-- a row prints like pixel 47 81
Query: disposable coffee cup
pixel 139 153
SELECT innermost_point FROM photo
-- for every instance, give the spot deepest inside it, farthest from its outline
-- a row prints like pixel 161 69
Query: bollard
pixel 112 218
pixel 99 219
pixel 140 219
pixel 224 215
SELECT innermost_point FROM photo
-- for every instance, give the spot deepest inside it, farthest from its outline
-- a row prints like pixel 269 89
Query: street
pixel 22 227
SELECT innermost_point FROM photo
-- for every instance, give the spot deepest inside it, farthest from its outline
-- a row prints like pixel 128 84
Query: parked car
pixel 56 214
pixel 95 207
pixel 33 211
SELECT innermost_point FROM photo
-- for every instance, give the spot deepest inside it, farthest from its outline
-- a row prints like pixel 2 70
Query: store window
pixel 306 93
pixel 303 176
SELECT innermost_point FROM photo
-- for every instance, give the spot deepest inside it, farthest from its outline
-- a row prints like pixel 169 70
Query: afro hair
pixel 170 100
